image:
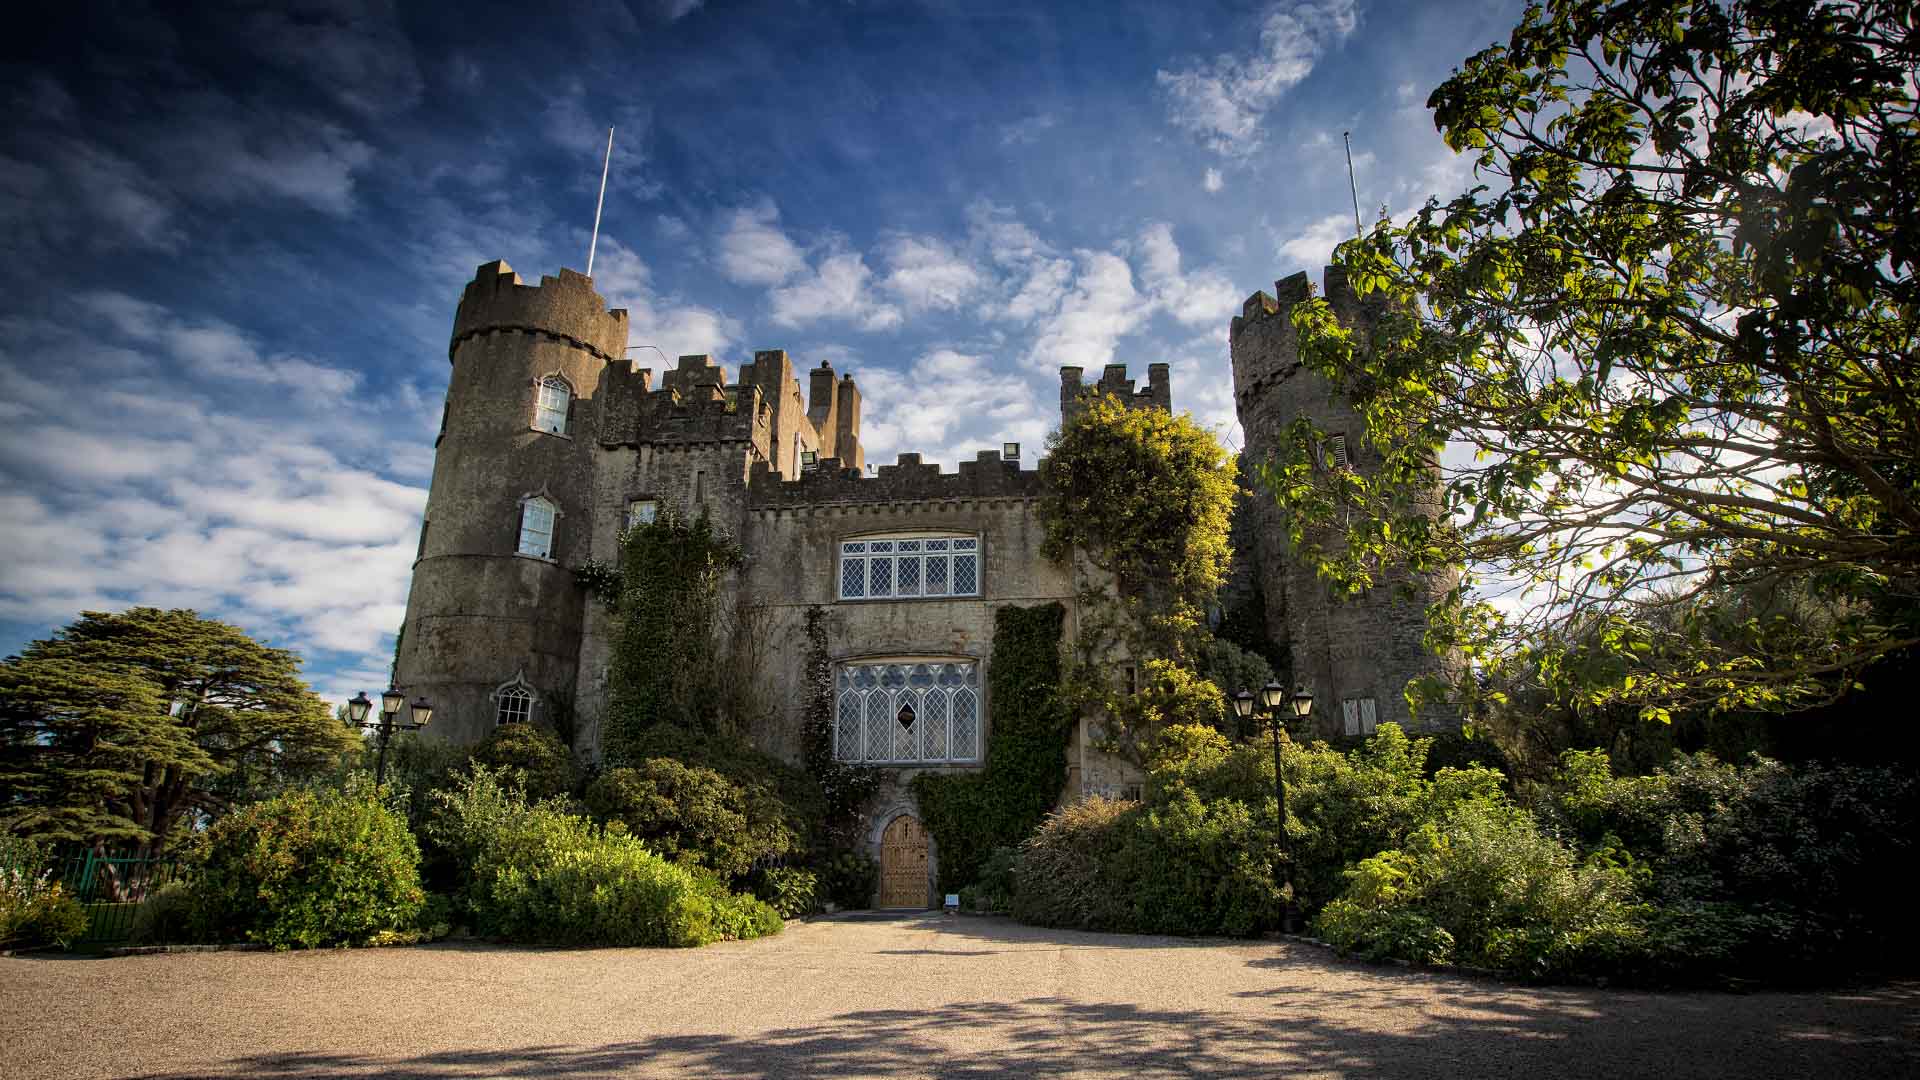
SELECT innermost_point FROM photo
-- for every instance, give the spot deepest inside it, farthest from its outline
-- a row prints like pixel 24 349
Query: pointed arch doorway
pixel 903 864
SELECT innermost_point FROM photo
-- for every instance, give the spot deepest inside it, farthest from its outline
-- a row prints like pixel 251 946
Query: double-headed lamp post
pixel 390 703
pixel 1300 706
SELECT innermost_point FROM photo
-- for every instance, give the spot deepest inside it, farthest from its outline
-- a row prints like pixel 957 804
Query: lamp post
pixel 390 702
pixel 1300 705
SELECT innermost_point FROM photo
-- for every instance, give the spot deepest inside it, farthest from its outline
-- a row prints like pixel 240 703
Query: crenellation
pixel 565 308
pixel 1074 394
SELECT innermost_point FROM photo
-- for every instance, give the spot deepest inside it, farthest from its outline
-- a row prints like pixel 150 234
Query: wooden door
pixel 903 864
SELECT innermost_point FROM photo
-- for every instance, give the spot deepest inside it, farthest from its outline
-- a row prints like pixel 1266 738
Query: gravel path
pixel 908 996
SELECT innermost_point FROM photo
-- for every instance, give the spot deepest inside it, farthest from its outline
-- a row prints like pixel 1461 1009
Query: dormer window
pixel 553 406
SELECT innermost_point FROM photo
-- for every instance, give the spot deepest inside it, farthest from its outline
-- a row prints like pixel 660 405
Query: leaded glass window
pixel 513 705
pixel 907 567
pixel 555 398
pixel 536 528
pixel 902 713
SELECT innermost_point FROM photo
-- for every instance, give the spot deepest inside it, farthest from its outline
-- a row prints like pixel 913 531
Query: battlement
pixel 693 405
pixel 1074 393
pixel 1264 345
pixel 908 479
pixel 564 307
pixel 1290 291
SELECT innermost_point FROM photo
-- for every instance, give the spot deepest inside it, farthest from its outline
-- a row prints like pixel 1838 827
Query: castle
pixel 552 442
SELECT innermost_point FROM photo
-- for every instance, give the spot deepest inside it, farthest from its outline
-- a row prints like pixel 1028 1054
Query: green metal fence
pixel 112 886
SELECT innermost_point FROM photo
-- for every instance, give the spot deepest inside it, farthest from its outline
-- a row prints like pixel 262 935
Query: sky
pixel 237 236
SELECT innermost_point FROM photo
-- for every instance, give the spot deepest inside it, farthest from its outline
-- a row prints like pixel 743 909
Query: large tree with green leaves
pixel 1662 356
pixel 121 727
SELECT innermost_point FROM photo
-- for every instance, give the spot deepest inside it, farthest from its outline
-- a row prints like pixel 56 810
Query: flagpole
pixel 1346 136
pixel 602 202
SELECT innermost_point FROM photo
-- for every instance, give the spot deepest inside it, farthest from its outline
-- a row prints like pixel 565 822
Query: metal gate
pixel 111 887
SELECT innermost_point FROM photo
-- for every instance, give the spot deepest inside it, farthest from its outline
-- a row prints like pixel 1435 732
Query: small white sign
pixel 953 900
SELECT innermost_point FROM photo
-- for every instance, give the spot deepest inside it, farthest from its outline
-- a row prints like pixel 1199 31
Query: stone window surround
pixel 627 519
pixel 979 698
pixel 918 535
pixel 515 700
pixel 553 532
pixel 539 389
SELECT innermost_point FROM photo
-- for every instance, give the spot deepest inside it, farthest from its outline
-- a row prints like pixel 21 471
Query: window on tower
pixel 553 405
pixel 536 527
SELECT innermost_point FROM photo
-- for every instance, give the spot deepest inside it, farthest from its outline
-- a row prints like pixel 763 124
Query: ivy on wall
pixel 846 788
pixel 970 814
pixel 665 663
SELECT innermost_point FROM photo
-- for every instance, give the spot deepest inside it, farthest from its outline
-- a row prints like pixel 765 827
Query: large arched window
pixel 907 711
pixel 537 517
pixel 552 405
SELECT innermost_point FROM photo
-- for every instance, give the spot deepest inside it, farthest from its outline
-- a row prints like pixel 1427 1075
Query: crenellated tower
pixel 494 609
pixel 1356 654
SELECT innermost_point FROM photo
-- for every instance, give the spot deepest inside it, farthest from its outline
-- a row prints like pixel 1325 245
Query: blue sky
pixel 237 238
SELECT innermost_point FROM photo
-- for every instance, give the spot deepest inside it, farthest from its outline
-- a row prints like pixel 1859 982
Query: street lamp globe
pixel 1242 703
pixel 358 706
pixel 390 702
pixel 1270 696
pixel 422 712
pixel 1302 702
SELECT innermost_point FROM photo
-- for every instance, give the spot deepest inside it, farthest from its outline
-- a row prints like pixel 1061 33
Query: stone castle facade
pixel 552 442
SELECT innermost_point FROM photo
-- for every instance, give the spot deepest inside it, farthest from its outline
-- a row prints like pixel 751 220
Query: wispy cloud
pixel 1223 101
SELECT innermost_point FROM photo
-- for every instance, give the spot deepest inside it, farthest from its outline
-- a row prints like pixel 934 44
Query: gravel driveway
pixel 920 995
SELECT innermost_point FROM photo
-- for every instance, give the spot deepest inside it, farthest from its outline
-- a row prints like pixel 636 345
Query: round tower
pixel 493 621
pixel 1355 653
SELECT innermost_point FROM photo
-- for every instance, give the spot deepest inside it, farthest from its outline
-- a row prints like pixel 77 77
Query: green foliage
pixel 35 909
pixel 122 726
pixel 309 869
pixel 781 801
pixel 1484 886
pixel 1062 874
pixel 538 761
pixel 970 814
pixel 791 891
pixel 1674 326
pixel 692 814
pixel 535 873
pixel 1143 493
pixel 848 879
pixel 844 788
pixel 166 916
pixel 993 890
pixel 666 667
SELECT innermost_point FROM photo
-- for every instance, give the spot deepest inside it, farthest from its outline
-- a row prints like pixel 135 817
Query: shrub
pixel 308 869
pixel 166 916
pixel 1061 873
pixel 1486 887
pixel 35 910
pixel 534 873
pixel 848 880
pixel 692 814
pixel 779 797
pixel 790 890
pixel 993 890
pixel 545 766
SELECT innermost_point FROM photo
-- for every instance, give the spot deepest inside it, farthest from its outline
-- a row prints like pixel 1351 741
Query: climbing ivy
pixel 970 814
pixel 846 787
pixel 665 666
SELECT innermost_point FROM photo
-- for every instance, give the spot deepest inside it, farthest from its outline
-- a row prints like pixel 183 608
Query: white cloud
pixel 1204 297
pixel 675 327
pixel 755 251
pixel 1213 181
pixel 837 289
pixel 959 405
pixel 1222 102
pixel 924 273
pixel 1027 130
pixel 1100 308
pixel 1312 248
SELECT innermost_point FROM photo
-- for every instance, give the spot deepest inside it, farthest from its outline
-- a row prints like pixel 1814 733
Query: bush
pixel 534 873
pixel 993 890
pixel 1486 887
pixel 545 766
pixel 1061 873
pixel 165 917
pixel 693 814
pixel 35 909
pixel 779 797
pixel 789 890
pixel 309 869
pixel 848 880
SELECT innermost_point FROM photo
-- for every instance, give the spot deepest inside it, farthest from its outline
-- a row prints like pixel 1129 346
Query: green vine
pixel 846 787
pixel 602 580
pixel 970 814
pixel 666 658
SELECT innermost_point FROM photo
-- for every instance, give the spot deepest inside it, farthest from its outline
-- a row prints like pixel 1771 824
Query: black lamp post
pixel 390 702
pixel 1300 705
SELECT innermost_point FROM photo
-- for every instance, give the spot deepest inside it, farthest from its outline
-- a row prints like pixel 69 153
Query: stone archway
pixel 903 864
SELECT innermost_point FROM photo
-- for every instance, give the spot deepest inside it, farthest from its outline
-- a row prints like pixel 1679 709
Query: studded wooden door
pixel 903 864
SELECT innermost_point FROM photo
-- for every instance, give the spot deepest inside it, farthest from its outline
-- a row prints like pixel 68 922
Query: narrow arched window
pixel 513 704
pixel 536 528
pixel 554 403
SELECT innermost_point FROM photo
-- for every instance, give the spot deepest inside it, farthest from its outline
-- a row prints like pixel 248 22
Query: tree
pixel 1662 358
pixel 123 726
